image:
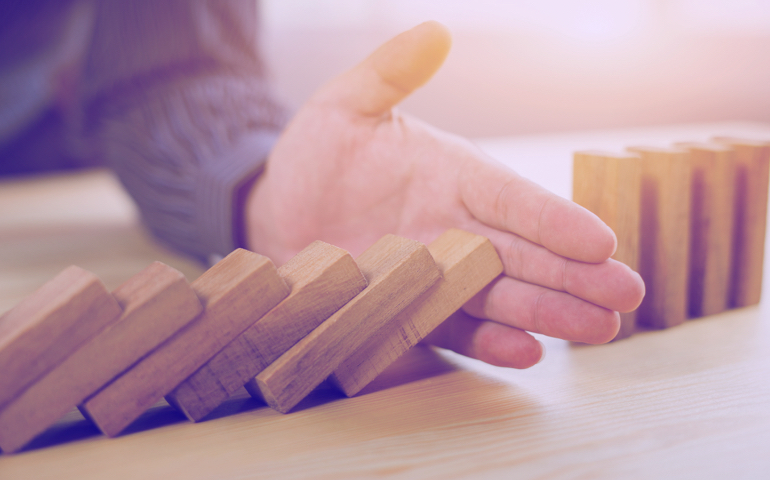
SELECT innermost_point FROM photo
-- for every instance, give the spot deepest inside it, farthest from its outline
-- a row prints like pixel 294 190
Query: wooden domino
pixel 753 168
pixel 609 185
pixel 701 233
pixel 235 292
pixel 711 227
pixel 322 279
pixel 467 263
pixel 398 271
pixel 156 303
pixel 48 325
pixel 665 235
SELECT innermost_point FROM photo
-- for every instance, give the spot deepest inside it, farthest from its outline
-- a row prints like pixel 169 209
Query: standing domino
pixel 665 235
pixel 609 185
pixel 711 227
pixel 753 166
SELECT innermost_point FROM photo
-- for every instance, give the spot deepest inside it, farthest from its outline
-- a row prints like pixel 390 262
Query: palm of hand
pixel 348 179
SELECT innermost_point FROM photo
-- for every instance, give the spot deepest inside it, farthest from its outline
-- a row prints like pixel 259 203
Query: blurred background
pixel 532 66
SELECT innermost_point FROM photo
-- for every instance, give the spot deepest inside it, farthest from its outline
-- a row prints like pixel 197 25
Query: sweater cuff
pixel 222 189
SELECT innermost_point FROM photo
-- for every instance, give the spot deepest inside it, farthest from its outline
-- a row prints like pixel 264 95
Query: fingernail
pixel 542 348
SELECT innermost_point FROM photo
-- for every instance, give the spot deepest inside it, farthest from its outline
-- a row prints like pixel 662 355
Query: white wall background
pixel 527 66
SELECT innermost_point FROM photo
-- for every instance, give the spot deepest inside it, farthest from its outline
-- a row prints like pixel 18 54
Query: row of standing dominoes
pixel 278 332
pixel 690 219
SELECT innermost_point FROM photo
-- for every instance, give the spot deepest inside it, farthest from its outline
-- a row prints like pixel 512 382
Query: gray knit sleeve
pixel 188 155
pixel 183 114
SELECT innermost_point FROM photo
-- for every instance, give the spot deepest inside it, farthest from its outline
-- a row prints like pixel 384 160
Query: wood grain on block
pixel 467 262
pixel 753 168
pixel 609 185
pixel 322 279
pixel 156 303
pixel 711 230
pixel 50 324
pixel 665 236
pixel 235 293
pixel 398 271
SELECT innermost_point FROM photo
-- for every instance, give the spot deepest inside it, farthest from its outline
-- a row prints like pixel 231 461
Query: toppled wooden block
pixel 235 293
pixel 609 185
pixel 711 227
pixel 156 303
pixel 398 271
pixel 322 279
pixel 467 263
pixel 48 325
pixel 753 167
pixel 665 236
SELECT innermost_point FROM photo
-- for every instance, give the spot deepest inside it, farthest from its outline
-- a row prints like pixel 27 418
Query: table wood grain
pixel 688 402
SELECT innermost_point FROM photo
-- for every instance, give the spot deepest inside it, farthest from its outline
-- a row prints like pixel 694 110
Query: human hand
pixel 350 168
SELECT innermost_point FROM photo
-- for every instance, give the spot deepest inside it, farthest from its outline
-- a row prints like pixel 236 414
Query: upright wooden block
pixel 322 279
pixel 753 166
pixel 156 303
pixel 467 263
pixel 711 230
pixel 609 185
pixel 50 324
pixel 235 292
pixel 665 239
pixel 398 271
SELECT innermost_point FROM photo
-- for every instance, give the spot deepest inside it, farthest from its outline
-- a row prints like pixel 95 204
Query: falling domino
pixel 665 235
pixel 322 279
pixel 753 166
pixel 609 185
pixel 235 293
pixel 48 325
pixel 156 303
pixel 398 271
pixel 711 227
pixel 468 263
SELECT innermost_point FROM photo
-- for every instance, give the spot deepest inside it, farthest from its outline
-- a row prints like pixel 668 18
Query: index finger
pixel 505 200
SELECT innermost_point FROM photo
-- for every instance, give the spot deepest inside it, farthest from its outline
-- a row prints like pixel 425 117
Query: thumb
pixel 393 71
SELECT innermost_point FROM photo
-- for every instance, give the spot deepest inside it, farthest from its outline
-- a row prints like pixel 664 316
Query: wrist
pixel 259 226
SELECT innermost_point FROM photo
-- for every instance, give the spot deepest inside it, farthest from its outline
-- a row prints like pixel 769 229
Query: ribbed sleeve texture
pixel 187 154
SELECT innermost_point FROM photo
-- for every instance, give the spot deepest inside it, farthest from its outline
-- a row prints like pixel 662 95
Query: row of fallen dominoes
pixel 690 219
pixel 278 332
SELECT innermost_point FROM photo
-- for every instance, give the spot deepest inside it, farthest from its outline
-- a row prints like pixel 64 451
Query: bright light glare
pixel 746 17
pixel 601 20
pixel 590 20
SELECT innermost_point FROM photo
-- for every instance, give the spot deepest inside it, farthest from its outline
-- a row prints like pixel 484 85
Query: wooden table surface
pixel 690 402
